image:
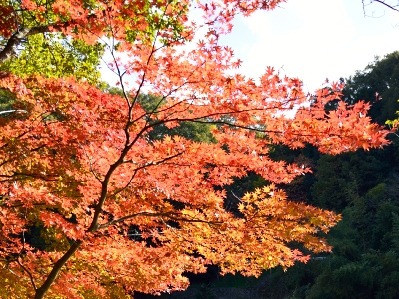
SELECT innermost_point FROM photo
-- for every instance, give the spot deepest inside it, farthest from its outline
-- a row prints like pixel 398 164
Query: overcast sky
pixel 315 39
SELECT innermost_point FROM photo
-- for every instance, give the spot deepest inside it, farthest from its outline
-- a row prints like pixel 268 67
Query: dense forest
pixel 362 186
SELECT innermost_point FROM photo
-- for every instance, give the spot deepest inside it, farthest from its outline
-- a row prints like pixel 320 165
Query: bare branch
pixel 382 2
pixel 387 5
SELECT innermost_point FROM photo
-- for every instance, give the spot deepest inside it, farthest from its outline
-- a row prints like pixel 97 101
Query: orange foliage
pixel 79 163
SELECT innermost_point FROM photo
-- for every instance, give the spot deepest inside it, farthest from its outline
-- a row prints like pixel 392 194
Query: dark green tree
pixel 378 84
pixel 363 187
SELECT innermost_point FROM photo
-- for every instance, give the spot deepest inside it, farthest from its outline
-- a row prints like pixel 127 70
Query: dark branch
pixel 170 215
pixel 387 5
pixel 32 280
pixel 382 2
pixel 39 294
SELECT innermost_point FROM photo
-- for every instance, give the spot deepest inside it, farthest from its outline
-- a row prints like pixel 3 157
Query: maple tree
pixel 83 166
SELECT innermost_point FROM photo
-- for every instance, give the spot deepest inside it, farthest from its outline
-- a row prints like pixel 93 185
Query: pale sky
pixel 314 39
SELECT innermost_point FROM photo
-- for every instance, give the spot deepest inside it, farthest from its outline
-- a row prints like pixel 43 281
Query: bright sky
pixel 315 39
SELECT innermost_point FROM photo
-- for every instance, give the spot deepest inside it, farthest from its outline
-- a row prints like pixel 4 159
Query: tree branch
pixel 386 4
pixel 40 292
pixel 15 39
pixel 171 215
pixel 32 280
pixel 12 111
